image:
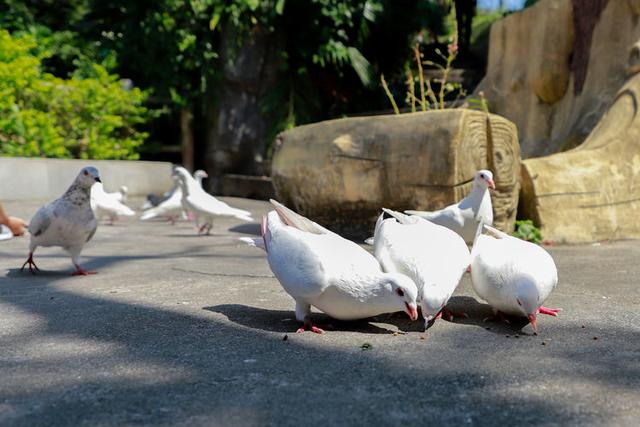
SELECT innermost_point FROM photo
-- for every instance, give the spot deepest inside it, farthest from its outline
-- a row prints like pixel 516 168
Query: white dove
pixel 464 217
pixel 121 194
pixel 434 257
pixel 104 203
pixel 68 221
pixel 319 268
pixel 514 276
pixel 203 205
pixel 172 206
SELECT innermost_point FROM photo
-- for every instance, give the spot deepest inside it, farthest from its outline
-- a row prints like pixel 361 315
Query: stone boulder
pixel 554 68
pixel 341 172
pixel 591 192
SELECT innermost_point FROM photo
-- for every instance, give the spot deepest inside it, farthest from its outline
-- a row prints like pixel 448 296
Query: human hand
pixel 16 225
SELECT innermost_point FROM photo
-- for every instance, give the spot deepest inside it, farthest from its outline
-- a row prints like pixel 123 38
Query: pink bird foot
pixel 549 311
pixel 449 315
pixel 308 326
pixel 31 263
pixel 81 272
pixel 498 316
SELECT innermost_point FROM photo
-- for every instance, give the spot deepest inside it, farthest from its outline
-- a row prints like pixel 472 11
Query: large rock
pixel 341 172
pixel 591 192
pixel 554 68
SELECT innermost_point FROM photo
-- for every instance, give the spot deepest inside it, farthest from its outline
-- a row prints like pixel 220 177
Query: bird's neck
pixel 477 193
pixel 434 296
pixel 190 186
pixel 77 194
pixel 476 199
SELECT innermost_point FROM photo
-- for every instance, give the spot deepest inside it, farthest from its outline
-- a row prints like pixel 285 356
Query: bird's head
pixel 527 298
pixel 432 305
pixel 88 176
pixel 484 179
pixel 200 174
pixel 181 174
pixel 403 293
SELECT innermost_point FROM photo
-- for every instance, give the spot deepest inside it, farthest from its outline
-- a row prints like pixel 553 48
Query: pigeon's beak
pixel 533 320
pixel 491 184
pixel 98 179
pixel 412 311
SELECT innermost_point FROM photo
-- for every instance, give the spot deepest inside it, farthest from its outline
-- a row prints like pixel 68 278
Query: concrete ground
pixel 178 329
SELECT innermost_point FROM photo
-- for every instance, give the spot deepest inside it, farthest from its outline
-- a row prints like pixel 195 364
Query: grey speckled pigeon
pixel 68 221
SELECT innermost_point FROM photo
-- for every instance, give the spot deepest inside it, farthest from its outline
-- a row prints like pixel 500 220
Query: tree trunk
pixel 238 127
pixel 186 134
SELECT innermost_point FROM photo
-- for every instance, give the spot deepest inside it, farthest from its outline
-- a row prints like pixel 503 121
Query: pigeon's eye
pixel 482 175
pixel 86 173
pixel 400 292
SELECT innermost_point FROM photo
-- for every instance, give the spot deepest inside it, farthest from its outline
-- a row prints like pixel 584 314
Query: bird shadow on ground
pixel 99 262
pixel 17 273
pixel 480 314
pixel 195 234
pixel 195 370
pixel 247 229
pixel 284 321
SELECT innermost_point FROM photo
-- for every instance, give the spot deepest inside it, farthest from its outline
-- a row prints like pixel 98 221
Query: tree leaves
pixel 82 117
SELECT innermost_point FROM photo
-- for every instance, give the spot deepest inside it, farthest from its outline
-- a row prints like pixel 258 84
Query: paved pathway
pixel 184 330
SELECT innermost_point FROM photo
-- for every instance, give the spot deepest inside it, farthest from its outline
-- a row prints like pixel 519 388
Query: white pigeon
pixel 319 268
pixel 514 276
pixel 172 206
pixel 464 217
pixel 203 205
pixel 199 175
pixel 68 221
pixel 434 257
pixel 121 194
pixel 104 203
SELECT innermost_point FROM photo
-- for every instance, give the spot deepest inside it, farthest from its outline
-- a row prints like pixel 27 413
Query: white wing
pixel 171 206
pixel 433 256
pixel 41 220
pixel 104 201
pixel 306 263
pixel 207 204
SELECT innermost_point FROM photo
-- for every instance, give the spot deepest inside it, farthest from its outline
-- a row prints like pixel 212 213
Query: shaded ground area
pixel 184 330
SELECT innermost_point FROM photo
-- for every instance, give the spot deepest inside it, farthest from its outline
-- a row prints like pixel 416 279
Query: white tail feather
pixel 253 241
pixel 296 220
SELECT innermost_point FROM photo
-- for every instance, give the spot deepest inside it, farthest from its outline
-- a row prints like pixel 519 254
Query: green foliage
pixel 526 230
pixel 324 52
pixel 80 117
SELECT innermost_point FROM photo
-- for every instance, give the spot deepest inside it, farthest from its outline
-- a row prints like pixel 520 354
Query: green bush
pixel 88 117
pixel 526 230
